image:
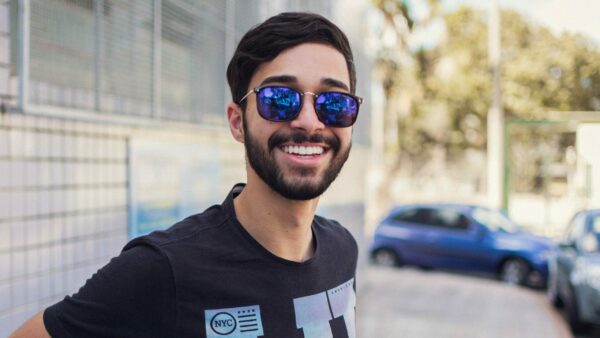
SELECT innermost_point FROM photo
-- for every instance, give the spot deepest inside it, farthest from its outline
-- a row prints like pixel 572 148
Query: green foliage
pixel 441 96
pixel 544 72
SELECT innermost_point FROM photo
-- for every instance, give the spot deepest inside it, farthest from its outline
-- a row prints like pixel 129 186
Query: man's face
pixel 298 159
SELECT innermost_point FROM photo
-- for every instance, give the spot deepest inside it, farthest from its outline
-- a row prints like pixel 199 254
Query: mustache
pixel 300 137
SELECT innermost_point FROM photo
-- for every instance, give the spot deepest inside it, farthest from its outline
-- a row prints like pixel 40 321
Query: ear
pixel 236 121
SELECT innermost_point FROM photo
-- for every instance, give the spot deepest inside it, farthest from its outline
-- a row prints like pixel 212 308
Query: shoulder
pixel 191 229
pixel 331 225
pixel 334 232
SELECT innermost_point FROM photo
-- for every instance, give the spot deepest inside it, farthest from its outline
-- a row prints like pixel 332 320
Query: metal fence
pixel 162 59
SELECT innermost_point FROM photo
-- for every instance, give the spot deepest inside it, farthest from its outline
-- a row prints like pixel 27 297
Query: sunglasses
pixel 282 104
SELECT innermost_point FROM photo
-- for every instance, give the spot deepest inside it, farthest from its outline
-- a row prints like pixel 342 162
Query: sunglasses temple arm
pixel 246 96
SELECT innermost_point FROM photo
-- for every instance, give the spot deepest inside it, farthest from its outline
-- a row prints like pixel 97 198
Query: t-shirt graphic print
pixel 313 314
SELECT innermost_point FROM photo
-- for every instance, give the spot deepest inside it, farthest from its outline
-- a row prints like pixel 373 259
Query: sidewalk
pixel 411 303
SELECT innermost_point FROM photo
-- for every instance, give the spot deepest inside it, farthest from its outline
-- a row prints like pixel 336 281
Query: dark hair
pixel 264 42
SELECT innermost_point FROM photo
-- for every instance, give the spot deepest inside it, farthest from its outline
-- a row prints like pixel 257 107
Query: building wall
pixel 65 162
pixel 588 163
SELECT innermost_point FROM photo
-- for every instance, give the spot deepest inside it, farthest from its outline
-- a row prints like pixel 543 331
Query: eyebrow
pixel 279 79
pixel 334 83
pixel 287 79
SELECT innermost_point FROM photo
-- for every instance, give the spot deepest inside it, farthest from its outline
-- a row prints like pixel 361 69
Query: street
pixel 408 302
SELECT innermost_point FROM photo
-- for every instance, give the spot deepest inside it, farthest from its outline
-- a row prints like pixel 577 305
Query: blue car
pixel 461 237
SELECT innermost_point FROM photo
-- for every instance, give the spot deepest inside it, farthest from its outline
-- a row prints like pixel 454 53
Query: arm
pixel 131 296
pixel 33 328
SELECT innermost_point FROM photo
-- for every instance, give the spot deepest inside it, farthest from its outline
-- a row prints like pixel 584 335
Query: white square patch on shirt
pixel 236 322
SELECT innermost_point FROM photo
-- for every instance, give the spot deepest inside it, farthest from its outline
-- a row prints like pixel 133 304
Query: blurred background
pixel 112 125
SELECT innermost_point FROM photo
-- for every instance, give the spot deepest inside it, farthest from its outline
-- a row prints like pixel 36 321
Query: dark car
pixel 461 237
pixel 574 280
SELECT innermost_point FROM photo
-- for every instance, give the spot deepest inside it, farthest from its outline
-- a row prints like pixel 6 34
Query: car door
pixel 413 233
pixel 457 242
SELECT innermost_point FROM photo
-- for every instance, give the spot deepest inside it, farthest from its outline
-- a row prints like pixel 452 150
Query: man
pixel 261 264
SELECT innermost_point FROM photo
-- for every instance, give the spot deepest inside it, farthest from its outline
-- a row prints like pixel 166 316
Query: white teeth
pixel 300 150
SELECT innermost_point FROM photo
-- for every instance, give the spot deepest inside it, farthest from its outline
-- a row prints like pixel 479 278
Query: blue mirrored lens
pixel 336 109
pixel 278 103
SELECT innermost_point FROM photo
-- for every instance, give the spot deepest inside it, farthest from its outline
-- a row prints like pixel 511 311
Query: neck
pixel 281 225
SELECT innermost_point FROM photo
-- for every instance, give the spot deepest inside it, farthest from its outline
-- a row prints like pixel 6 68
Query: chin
pixel 301 189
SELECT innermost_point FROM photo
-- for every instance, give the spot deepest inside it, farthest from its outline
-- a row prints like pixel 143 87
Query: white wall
pixel 588 151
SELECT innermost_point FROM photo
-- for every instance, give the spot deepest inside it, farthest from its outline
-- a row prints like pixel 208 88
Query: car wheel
pixel 514 271
pixel 385 257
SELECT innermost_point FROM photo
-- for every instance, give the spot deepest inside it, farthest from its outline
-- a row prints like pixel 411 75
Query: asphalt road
pixel 407 302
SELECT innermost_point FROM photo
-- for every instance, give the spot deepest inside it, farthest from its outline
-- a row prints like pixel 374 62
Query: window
pixel 92 55
pixel 130 58
pixel 62 53
pixel 192 57
pixel 576 228
pixel 594 236
pixel 449 218
pixel 414 215
pixel 443 217
pixel 494 220
pixel 596 225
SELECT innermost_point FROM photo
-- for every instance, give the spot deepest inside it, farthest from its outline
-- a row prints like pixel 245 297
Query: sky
pixel 576 16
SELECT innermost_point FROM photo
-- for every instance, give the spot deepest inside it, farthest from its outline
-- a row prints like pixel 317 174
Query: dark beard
pixel 265 166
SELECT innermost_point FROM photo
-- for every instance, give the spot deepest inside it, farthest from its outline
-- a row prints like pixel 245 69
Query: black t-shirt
pixel 207 277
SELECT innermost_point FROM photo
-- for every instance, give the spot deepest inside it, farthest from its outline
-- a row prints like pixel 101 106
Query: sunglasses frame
pixel 256 90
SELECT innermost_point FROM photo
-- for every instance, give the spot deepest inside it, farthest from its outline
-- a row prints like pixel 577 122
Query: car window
pixel 449 218
pixel 576 228
pixel 414 215
pixel 596 231
pixel 494 220
pixel 442 217
pixel 588 243
pixel 596 225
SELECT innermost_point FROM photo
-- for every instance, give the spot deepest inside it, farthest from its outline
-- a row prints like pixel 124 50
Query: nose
pixel 307 119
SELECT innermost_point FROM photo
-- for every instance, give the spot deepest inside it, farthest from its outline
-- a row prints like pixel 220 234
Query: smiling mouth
pixel 303 150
